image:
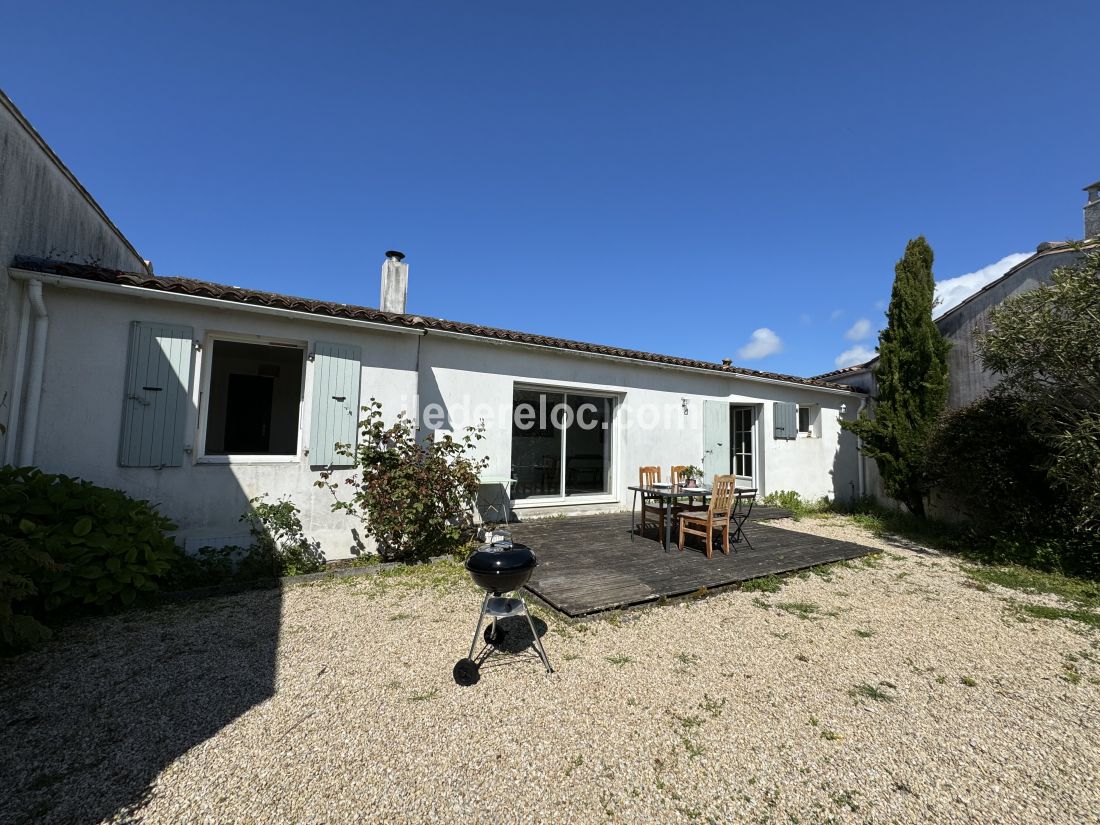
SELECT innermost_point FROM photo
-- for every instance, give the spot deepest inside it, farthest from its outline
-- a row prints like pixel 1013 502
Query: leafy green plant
pixel 20 564
pixel 279 537
pixel 790 500
pixel 66 544
pixel 414 498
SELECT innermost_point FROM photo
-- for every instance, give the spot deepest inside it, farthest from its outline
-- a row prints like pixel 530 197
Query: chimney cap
pixel 727 362
pixel 1092 186
pixel 395 255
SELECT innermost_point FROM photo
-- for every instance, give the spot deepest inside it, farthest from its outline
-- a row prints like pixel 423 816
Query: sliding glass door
pixel 561 444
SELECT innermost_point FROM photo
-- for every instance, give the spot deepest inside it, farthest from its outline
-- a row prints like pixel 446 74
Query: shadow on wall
pixel 90 720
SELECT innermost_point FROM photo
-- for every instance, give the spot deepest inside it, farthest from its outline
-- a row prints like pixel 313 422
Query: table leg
pixel 668 523
pixel 633 505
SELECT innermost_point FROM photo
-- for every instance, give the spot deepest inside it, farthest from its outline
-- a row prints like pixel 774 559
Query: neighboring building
pixel 44 211
pixel 969 380
pixel 199 396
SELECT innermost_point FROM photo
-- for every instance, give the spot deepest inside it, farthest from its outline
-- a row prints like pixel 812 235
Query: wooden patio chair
pixel 717 518
pixel 646 477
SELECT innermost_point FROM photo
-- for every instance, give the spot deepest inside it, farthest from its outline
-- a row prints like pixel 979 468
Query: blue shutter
pixel 335 418
pixel 786 419
pixel 158 383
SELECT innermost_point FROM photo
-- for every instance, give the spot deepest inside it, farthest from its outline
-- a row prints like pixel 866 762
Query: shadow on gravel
pixel 90 720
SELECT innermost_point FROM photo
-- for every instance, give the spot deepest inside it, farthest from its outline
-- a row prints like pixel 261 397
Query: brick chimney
pixel 1092 211
pixel 395 283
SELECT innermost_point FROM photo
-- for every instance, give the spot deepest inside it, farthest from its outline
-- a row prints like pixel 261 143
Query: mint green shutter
pixel 158 383
pixel 786 419
pixel 335 419
pixel 716 439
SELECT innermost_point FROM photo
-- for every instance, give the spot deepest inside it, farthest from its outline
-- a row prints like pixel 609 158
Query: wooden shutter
pixel 716 435
pixel 335 419
pixel 786 419
pixel 158 383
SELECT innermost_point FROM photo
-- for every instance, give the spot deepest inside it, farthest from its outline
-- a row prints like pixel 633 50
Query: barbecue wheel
pixel 494 638
pixel 466 672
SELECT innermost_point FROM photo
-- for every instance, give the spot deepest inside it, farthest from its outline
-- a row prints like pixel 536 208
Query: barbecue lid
pixel 501 557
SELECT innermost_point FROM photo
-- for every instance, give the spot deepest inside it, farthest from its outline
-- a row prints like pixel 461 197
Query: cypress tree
pixel 912 382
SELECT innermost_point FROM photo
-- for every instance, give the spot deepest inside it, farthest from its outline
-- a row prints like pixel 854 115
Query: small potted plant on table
pixel 690 476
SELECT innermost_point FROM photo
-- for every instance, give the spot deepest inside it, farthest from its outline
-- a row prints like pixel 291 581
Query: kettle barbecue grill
pixel 498 567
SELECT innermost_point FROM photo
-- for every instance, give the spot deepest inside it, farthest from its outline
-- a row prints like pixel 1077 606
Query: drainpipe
pixel 859 451
pixel 17 383
pixel 37 369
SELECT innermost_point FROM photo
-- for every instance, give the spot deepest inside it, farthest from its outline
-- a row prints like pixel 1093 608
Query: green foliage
pixel 279 536
pixel 987 462
pixel 1045 347
pixel 790 500
pixel 414 498
pixel 67 544
pixel 912 381
pixel 20 565
pixel 280 548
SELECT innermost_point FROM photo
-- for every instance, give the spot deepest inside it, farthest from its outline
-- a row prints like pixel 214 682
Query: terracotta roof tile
pixel 206 289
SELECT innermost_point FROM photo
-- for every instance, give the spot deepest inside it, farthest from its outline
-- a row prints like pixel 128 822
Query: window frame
pixel 813 420
pixel 206 370
pixel 566 390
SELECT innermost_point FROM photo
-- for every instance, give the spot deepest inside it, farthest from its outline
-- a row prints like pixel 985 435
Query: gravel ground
pixel 886 690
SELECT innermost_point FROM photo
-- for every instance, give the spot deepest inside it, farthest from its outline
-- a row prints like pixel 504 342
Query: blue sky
pixel 700 179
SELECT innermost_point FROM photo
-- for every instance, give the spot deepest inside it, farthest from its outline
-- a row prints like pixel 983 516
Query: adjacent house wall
pixel 969 381
pixel 45 212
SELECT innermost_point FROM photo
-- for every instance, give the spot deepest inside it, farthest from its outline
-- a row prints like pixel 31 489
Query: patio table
pixel 668 496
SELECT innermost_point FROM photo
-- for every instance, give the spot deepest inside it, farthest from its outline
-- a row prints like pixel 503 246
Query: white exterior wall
pixel 84 388
pixel 454 369
pixel 83 395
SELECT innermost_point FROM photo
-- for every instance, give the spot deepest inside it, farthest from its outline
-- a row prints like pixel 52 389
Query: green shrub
pixel 69 544
pixel 991 464
pixel 790 500
pixel 281 539
pixel 20 564
pixel 280 548
pixel 415 498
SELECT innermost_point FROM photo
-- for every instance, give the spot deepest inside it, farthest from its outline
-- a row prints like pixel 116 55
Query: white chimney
pixel 1092 211
pixel 395 283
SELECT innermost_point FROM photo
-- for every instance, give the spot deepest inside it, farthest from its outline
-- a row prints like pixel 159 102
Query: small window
pixel 254 399
pixel 808 422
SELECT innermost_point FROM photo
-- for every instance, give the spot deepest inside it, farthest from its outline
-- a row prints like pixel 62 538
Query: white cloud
pixel 856 355
pixel 764 342
pixel 954 291
pixel 836 313
pixel 859 330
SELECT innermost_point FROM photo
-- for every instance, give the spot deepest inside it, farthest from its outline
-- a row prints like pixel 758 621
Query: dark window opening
pixel 255 397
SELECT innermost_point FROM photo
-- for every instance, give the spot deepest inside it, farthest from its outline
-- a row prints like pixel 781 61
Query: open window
pixel 809 418
pixel 254 399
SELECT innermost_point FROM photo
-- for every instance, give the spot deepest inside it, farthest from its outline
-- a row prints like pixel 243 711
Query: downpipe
pixel 36 373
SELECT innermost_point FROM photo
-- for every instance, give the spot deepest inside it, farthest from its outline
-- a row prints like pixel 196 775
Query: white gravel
pixel 334 703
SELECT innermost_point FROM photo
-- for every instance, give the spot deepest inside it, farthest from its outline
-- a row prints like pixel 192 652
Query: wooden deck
pixel 588 564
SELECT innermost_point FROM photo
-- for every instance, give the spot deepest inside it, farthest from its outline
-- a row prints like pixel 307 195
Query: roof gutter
pixel 141 293
pixel 716 373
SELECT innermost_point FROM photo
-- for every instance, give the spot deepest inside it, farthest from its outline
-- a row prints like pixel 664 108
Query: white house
pixel 199 396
